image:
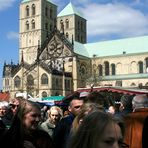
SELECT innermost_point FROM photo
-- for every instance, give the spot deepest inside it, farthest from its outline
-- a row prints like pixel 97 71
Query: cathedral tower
pixel 37 20
pixel 72 22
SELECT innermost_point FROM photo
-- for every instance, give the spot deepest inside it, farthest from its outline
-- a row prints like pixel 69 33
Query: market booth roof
pixel 115 89
pixel 54 98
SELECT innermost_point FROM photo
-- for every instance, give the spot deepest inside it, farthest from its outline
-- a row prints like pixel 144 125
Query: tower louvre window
pixel 27 25
pixel 67 23
pixel 33 9
pixel 33 24
pixel 67 35
pixel 27 10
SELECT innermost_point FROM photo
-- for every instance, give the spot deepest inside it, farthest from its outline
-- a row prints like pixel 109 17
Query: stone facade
pixel 49 61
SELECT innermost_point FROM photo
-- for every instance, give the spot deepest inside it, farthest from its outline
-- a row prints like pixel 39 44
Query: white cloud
pixel 12 35
pixel 4 4
pixel 114 19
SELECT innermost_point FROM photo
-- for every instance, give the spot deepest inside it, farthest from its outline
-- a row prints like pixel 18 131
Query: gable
pixel 57 47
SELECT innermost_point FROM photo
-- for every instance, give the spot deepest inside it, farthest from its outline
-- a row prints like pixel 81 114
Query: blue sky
pixel 106 20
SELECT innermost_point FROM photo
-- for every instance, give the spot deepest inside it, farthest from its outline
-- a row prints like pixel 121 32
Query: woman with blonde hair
pixel 55 114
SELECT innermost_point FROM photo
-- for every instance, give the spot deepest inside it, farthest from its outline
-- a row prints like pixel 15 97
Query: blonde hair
pixel 60 111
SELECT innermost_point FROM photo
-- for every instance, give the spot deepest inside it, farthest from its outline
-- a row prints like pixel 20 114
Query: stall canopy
pixel 52 100
pixel 115 89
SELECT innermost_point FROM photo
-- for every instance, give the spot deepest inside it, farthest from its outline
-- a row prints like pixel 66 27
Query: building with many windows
pixel 55 58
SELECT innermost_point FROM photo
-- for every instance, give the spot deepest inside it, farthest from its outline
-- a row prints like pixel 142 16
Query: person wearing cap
pixel 83 95
pixel 135 121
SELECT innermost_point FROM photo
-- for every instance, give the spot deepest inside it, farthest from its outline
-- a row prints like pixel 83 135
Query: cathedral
pixel 55 58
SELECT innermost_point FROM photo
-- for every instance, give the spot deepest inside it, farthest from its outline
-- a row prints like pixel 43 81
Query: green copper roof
pixel 24 1
pixel 113 47
pixel 125 76
pixel 69 10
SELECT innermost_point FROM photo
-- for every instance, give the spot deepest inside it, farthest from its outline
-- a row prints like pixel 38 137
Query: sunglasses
pixel 76 107
pixel 13 106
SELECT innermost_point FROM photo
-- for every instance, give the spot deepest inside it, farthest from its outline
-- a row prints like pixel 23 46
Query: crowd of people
pixel 90 120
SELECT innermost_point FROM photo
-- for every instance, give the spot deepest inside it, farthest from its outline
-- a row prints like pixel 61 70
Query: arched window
pixel 44 94
pixel 62 25
pixel 146 62
pixel 46 26
pixel 30 80
pixel 82 26
pixel 44 79
pixel 33 9
pixel 33 24
pixel 140 63
pixel 27 25
pixel 67 36
pixel 51 13
pixel 146 84
pixel 27 10
pixel 113 69
pixel 67 23
pixel 46 11
pixel 106 63
pixel 50 28
pixel 17 81
pixel 100 70
pixel 78 25
pixel 133 85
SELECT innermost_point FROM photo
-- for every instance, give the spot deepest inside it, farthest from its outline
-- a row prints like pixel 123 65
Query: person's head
pixel 99 130
pixel 75 106
pixel 28 115
pixel 4 106
pixel 111 109
pixel 83 95
pixel 85 110
pixel 140 101
pixel 55 113
pixel 14 104
pixel 126 102
pixel 96 97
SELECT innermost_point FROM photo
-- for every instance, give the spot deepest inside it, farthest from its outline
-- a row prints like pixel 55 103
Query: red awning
pixel 4 96
pixel 114 89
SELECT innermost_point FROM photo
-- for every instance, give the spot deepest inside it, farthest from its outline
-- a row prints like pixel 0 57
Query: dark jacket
pixel 62 131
